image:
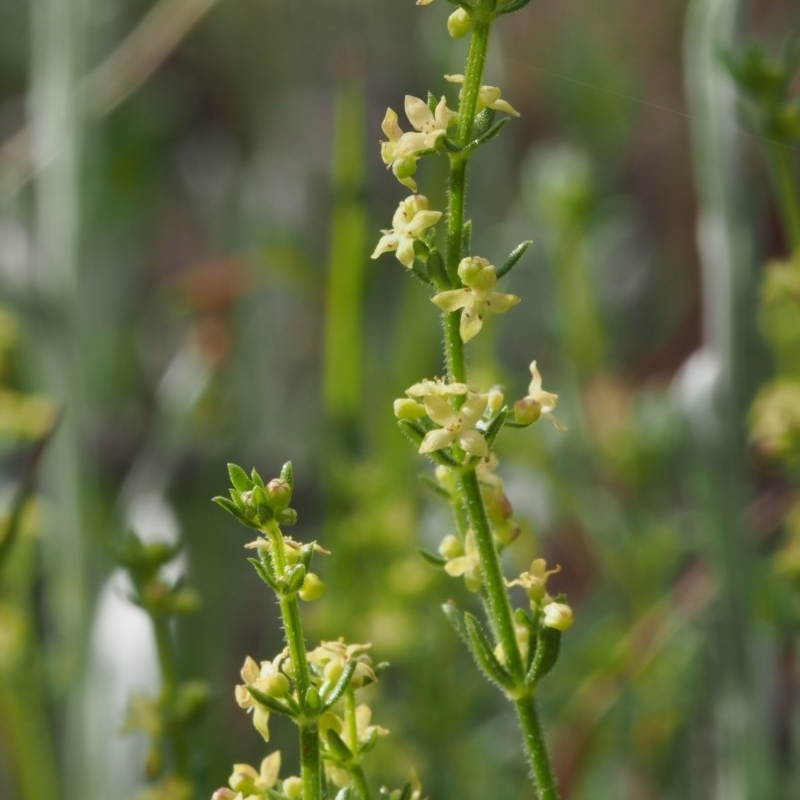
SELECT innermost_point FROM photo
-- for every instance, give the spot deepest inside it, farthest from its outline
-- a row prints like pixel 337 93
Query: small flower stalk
pixel 449 419
pixel 315 688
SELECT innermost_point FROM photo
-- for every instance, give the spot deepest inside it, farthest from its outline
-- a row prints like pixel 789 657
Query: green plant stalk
pixel 528 716
pixel 310 756
pixel 457 190
pixel 169 687
pixel 786 193
pixel 351 733
pixel 496 597
pixel 310 761
pixel 497 604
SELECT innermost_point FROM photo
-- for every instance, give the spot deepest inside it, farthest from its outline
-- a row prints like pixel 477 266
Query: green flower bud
pixel 293 787
pixel 450 547
pixel 276 685
pixel 287 517
pixel 312 588
pixel 279 493
pixel 459 23
pixel 406 408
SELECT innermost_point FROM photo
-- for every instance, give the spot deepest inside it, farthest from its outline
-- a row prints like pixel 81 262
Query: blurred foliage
pixel 225 309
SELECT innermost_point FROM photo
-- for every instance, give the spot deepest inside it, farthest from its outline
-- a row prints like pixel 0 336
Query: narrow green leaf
pixel 483 653
pixel 287 474
pixel 432 559
pixel 256 478
pixel 338 747
pixel 513 258
pixel 514 5
pixel 268 702
pixel 294 578
pixel 489 135
pixel 435 487
pixel 332 695
pixel 548 646
pixel 265 573
pixel 495 426
pixel 239 478
pixel 456 618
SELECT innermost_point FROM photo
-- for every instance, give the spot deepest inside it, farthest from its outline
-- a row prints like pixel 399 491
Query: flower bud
pixel 450 547
pixel 312 588
pixel 279 493
pixel 459 23
pixel 293 787
pixel 558 616
pixel 496 399
pixel 243 778
pixel 275 685
pixel 477 273
pixel 406 408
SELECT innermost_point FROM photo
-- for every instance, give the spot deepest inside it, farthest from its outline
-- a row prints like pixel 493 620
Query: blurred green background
pixel 189 194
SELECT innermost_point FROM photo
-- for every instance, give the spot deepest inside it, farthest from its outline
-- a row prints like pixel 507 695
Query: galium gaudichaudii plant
pixel 456 425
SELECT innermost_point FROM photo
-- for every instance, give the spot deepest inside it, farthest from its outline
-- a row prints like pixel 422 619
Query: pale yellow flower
pixel 476 298
pixel 457 425
pixel 268 679
pixel 246 779
pixel 537 403
pixel 534 581
pixel 409 223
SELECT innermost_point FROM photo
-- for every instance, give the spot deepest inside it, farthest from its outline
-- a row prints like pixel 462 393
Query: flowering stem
pixel 310 757
pixel 169 685
pixel 351 733
pixel 457 190
pixel 497 603
pixel 496 600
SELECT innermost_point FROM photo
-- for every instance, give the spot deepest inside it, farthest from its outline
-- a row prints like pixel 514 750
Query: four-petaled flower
pixel 268 679
pixel 409 222
pixel 534 581
pixel 537 403
pixel 247 779
pixel 476 298
pixel 488 97
pixel 457 425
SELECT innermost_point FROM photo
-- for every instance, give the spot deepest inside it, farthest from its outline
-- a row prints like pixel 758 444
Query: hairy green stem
pixel 169 687
pixel 351 734
pixel 537 749
pixel 310 762
pixel 497 603
pixel 457 191
pixel 310 757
